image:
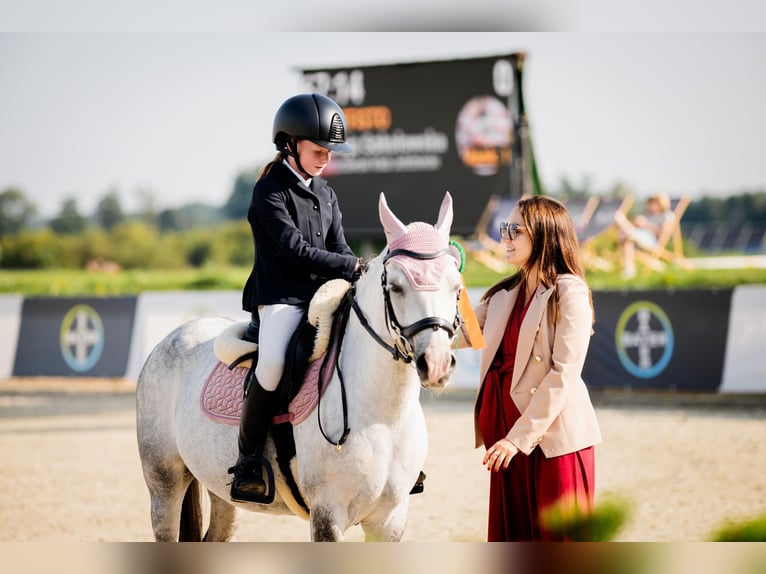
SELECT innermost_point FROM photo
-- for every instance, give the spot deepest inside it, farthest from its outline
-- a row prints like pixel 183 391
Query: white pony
pixel 408 300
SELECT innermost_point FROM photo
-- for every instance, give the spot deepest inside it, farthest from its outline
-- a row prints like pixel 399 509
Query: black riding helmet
pixel 314 117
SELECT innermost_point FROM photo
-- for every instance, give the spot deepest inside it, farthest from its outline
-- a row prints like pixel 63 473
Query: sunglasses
pixel 509 230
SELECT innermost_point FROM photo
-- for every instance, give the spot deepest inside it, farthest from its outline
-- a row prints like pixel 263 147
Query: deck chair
pixel 488 248
pixel 596 221
pixel 669 246
pixel 581 209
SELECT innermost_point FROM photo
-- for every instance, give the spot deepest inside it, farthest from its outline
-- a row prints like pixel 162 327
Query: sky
pixel 180 115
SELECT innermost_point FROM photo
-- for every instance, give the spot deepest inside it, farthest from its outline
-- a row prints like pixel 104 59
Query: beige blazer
pixel 547 386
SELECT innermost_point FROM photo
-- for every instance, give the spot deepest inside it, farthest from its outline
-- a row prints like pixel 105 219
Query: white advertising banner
pixel 745 360
pixel 10 320
pixel 158 313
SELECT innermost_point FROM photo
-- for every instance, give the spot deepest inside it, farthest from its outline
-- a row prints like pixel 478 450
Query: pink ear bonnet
pixel 424 274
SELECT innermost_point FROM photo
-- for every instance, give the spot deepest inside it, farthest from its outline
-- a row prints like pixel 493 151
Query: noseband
pixel 402 347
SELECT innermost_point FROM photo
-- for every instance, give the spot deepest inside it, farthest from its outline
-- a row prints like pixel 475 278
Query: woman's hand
pixel 499 456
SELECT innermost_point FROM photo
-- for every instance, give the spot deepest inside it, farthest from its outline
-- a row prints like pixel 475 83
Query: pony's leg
pixel 389 528
pixel 224 520
pixel 324 525
pixel 167 487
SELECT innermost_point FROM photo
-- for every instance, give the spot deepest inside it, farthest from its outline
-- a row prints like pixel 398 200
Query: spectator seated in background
pixel 644 230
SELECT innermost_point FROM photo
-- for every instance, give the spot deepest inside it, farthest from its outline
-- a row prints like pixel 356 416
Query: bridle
pixel 402 347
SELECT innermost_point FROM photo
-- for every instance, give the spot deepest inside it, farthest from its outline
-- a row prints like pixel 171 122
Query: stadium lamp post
pixel 524 176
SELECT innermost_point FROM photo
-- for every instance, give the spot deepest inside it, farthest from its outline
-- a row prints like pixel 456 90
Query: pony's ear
pixel 444 223
pixel 394 228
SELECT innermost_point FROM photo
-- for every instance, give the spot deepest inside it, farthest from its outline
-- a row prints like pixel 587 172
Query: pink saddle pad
pixel 221 396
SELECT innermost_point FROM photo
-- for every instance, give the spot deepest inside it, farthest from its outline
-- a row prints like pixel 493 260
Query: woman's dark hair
pixel 555 248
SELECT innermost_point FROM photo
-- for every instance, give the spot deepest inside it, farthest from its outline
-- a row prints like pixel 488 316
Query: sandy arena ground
pixel 70 469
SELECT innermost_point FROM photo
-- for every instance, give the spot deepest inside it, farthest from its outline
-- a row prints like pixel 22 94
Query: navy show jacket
pixel 298 237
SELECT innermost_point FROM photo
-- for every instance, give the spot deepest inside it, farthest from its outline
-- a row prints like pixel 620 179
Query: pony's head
pixel 421 283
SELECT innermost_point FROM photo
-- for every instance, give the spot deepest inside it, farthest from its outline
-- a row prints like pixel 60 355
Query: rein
pixel 394 350
pixel 336 338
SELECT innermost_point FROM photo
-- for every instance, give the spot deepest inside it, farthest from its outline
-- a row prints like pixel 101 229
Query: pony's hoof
pixel 419 486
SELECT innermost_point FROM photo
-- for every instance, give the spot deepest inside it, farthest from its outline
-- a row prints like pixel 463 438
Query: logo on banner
pixel 81 338
pixel 644 339
pixel 483 135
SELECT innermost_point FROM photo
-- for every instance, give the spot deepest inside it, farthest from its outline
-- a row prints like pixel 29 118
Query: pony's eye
pixel 395 288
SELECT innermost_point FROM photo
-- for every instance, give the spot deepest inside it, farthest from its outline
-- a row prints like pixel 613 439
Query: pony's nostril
pixel 422 366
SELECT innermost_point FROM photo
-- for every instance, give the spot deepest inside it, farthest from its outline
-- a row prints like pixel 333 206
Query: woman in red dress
pixel 533 413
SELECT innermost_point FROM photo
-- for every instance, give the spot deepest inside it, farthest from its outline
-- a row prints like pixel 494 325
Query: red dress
pixel 530 483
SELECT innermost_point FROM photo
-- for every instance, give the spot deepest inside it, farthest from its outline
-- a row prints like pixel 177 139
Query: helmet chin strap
pixel 292 149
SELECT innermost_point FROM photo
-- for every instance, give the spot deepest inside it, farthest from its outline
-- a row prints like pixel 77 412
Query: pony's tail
pixel 191 514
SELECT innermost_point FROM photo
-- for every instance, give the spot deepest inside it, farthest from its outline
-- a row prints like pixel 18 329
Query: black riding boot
pixel 251 333
pixel 248 484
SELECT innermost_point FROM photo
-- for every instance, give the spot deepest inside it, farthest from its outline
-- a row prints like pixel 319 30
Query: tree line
pixel 192 235
pixel 196 235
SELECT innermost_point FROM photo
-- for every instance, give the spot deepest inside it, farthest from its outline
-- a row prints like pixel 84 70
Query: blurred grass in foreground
pixel 601 524
pixel 752 530
pixel 612 512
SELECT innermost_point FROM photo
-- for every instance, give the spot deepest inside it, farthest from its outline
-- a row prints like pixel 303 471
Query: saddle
pixel 308 344
pixel 306 359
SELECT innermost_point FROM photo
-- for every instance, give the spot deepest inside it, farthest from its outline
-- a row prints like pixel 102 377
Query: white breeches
pixel 278 323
